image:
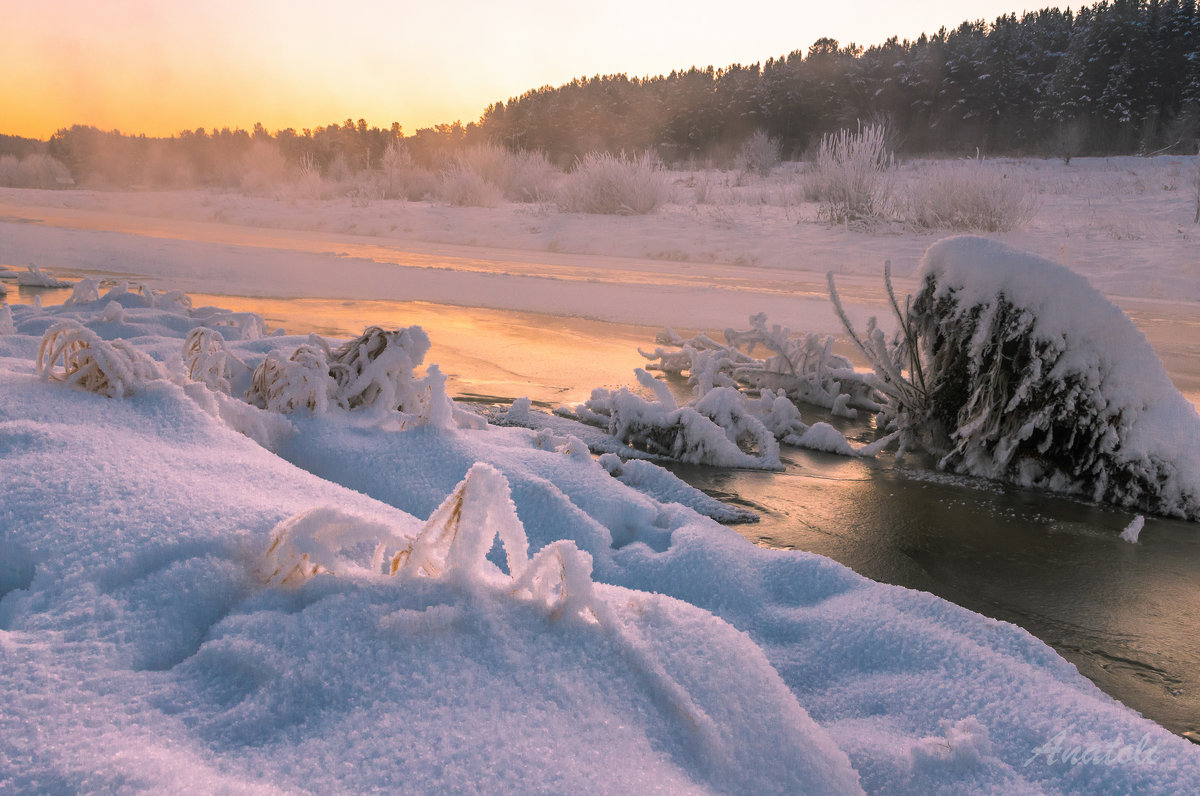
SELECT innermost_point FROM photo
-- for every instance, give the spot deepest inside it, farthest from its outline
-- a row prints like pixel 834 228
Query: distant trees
pixel 1118 76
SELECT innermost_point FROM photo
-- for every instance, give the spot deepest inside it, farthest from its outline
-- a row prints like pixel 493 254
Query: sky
pixel 142 66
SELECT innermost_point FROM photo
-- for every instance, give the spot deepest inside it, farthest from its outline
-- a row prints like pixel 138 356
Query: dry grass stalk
pixel 75 355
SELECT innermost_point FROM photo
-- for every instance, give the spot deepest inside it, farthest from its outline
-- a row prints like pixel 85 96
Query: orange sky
pixel 160 67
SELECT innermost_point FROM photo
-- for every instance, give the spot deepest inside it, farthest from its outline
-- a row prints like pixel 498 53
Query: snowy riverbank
pixel 150 649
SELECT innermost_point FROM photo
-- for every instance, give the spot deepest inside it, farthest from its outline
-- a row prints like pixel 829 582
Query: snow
pixel 610 642
pixel 1133 530
pixel 36 277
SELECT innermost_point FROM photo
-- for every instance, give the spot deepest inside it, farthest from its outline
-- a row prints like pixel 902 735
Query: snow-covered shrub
pixel 462 186
pixel 75 355
pixel 759 154
pixel 524 176
pixel 208 360
pixel 968 196
pixel 33 171
pixel 615 185
pixel 6 319
pixel 852 176
pixel 136 294
pixel 401 178
pixel 372 371
pixel 376 368
pixel 712 431
pixel 36 277
pixel 302 381
pixel 803 367
pixel 85 291
pixel 1028 374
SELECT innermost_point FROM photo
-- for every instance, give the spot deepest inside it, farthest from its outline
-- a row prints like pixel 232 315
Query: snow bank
pixel 153 638
pixel 1034 377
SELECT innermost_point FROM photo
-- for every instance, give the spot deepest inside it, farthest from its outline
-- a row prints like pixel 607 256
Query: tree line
pixel 1119 76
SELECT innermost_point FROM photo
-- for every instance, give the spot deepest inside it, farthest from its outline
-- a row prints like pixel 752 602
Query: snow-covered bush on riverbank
pixel 1027 374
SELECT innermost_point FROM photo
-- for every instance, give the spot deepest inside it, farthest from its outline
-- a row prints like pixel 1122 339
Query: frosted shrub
pixel 524 176
pixel 608 184
pixel 802 367
pixel 208 361
pixel 301 381
pixel 373 371
pixel 759 154
pixel 75 355
pixel 713 431
pixel 85 291
pixel 377 368
pixel 968 196
pixel 401 178
pixel 462 186
pixel 6 319
pixel 852 176
pixel 1022 371
pixel 36 277
pixel 33 171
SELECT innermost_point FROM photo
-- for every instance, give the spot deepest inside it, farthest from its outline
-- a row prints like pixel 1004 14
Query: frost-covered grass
pixel 966 196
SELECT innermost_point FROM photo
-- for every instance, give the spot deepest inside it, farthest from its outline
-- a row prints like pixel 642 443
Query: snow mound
pixel 36 277
pixel 1032 376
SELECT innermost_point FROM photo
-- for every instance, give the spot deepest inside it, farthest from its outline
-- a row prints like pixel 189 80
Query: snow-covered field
pixel 196 594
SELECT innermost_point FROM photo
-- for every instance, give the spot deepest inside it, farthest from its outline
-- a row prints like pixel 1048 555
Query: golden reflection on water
pixel 484 353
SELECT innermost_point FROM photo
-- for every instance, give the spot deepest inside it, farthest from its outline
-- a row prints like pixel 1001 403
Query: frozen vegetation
pixel 1009 366
pixel 358 584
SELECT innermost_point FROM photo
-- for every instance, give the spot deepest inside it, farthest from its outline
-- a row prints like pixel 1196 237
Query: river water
pixel 1123 613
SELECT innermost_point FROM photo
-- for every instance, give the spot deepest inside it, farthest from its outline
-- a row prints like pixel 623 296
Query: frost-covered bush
pixel 967 196
pixel 302 381
pixel 852 176
pixel 36 277
pixel 6 319
pixel 373 371
pixel 759 154
pixel 401 178
pixel 1028 374
pixel 462 186
pixel 208 360
pixel 33 171
pixel 75 355
pixel 615 185
pixel 802 367
pixel 716 430
pixel 524 176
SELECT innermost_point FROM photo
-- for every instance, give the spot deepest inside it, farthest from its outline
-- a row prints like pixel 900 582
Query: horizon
pixel 169 70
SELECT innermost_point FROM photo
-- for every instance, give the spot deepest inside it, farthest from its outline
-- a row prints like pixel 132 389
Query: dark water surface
pixel 1125 614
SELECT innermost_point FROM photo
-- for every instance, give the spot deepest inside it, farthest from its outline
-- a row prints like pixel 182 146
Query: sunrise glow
pixel 157 68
